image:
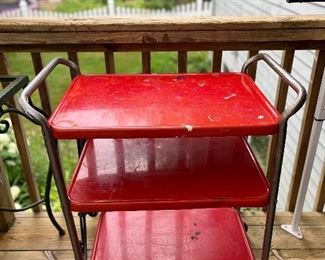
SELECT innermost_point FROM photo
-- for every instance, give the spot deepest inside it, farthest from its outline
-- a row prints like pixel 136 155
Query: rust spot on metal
pixel 196 235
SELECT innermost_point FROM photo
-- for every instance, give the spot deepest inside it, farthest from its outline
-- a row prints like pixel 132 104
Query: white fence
pixel 197 7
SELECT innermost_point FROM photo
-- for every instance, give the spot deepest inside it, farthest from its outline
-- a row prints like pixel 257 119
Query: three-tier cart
pixel 164 159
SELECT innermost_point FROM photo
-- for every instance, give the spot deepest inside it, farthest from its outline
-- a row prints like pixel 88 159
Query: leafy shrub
pixel 10 156
pixel 77 5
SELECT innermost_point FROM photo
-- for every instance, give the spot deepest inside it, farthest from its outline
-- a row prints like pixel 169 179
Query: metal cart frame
pixel 51 146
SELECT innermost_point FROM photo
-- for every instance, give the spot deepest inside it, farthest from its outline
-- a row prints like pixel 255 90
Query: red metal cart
pixel 165 159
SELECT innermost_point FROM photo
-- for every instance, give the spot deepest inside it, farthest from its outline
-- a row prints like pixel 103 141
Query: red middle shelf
pixel 167 173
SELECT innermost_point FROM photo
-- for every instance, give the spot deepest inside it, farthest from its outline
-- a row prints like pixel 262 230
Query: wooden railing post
pixel 22 145
pixel 252 69
pixel 109 62
pixel 216 61
pixel 73 56
pixel 182 61
pixel 6 201
pixel 146 62
pixel 316 78
pixel 320 198
pixel 280 101
pixel 43 91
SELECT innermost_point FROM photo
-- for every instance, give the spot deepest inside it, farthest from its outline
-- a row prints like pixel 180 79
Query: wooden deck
pixel 33 237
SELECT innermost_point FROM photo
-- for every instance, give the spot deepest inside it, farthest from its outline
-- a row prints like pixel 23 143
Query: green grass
pixel 77 5
pixel 259 145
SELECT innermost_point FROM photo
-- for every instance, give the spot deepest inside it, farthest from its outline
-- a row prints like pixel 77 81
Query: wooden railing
pixel 148 35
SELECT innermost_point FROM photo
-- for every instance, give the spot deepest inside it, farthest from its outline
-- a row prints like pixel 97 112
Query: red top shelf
pixel 113 106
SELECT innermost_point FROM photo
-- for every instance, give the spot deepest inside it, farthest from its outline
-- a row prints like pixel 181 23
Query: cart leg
pixel 83 230
pixel 274 191
pixel 52 151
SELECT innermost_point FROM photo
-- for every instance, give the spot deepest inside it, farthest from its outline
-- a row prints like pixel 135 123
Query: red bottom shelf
pixel 203 234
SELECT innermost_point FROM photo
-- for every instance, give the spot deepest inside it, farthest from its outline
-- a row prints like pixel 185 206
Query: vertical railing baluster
pixel 313 91
pixel 109 62
pixel 182 62
pixel 43 91
pixel 6 200
pixel 280 102
pixel 146 62
pixel 22 145
pixel 73 56
pixel 151 153
pixel 253 68
pixel 320 197
pixel 216 61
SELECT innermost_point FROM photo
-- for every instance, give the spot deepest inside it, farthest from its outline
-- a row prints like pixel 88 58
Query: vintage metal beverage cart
pixel 165 160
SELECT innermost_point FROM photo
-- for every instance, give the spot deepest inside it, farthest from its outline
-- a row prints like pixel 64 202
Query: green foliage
pixel 259 145
pixel 164 62
pixel 77 5
pixel 10 156
pixel 152 4
pixel 198 62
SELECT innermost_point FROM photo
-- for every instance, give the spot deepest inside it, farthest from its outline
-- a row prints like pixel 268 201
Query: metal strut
pixel 83 229
pixel 17 83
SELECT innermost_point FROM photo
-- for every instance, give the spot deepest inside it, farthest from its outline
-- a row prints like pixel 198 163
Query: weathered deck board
pixel 33 237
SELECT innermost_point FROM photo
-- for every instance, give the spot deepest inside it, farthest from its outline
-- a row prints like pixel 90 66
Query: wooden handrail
pixel 284 32
pixel 149 24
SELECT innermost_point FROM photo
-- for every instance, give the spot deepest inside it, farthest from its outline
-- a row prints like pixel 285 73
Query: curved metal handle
pixel 286 77
pixel 35 83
